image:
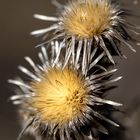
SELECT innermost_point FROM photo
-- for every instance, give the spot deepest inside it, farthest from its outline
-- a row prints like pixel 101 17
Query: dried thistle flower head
pixel 62 95
pixel 60 102
pixel 86 19
pixel 91 23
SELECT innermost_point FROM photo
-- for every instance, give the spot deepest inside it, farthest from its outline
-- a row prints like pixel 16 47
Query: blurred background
pixel 16 22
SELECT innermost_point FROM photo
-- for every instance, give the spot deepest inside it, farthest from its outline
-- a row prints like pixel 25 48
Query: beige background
pixel 16 22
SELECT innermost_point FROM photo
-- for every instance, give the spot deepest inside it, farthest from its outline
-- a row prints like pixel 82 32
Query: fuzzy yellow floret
pixel 88 18
pixel 60 95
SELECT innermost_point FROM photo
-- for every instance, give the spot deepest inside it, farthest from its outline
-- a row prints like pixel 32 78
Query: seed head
pixel 60 101
pixel 62 95
pixel 91 23
pixel 87 19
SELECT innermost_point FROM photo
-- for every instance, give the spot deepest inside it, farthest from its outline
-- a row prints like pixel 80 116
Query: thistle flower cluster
pixel 63 97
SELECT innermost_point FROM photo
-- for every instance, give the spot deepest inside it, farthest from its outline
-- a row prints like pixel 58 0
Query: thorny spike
pixel 45 18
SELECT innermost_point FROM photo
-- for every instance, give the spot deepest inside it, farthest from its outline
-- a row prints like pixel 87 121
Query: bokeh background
pixel 16 22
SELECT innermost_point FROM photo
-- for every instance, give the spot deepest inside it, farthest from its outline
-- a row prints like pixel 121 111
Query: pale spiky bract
pixel 92 23
pixel 60 102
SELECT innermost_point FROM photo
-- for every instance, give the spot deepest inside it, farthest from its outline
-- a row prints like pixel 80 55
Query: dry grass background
pixel 15 42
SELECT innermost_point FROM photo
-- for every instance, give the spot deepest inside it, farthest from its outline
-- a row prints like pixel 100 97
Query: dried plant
pixel 63 97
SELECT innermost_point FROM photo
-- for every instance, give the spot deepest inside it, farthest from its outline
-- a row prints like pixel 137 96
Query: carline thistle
pixel 90 24
pixel 60 102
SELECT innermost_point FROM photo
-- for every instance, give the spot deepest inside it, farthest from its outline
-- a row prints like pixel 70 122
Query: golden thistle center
pixel 60 95
pixel 87 19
